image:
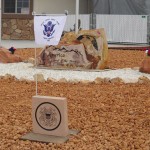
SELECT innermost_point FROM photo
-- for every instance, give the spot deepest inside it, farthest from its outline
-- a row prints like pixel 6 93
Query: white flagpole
pixel 35 63
pixel 43 42
pixel 36 81
pixel 77 16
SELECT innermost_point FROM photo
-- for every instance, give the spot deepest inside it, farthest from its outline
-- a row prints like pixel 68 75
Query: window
pixel 15 8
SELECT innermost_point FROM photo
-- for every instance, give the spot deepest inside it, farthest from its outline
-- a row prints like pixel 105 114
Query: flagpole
pixel 36 81
pixel 77 17
pixel 35 63
pixel 43 41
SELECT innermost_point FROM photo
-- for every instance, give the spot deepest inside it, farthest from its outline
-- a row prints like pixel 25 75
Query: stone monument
pixel 49 115
pixel 49 120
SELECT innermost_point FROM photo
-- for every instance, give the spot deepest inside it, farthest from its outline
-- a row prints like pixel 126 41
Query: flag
pixel 48 29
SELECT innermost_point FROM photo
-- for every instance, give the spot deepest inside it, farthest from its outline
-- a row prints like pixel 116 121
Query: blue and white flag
pixel 48 29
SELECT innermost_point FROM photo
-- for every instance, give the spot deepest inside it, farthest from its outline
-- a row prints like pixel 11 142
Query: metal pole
pixel 35 63
pixel 36 80
pixel 77 16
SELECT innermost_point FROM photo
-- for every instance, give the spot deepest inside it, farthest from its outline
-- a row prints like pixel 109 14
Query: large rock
pixel 145 65
pixel 64 56
pixel 95 46
pixel 7 57
pixel 88 49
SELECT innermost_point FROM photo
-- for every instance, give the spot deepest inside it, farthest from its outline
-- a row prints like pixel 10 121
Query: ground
pixel 110 116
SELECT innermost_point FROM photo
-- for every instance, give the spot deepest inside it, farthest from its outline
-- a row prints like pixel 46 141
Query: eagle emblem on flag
pixel 49 29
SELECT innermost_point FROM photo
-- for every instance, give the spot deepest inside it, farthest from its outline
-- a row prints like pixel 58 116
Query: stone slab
pixel 49 115
pixel 48 138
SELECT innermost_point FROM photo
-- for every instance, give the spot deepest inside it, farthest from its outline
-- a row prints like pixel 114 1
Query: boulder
pixel 31 60
pixel 143 79
pixel 145 65
pixel 86 50
pixel 95 46
pixel 7 57
pixel 64 56
pixel 98 80
pixel 62 80
pixel 116 80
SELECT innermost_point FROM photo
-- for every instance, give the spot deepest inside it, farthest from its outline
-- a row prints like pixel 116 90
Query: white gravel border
pixel 27 71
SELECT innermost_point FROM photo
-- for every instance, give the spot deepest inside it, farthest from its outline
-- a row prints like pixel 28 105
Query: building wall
pixel 17 29
pixel 22 29
pixel 58 7
pixel 0 20
pixel 84 6
pixel 53 6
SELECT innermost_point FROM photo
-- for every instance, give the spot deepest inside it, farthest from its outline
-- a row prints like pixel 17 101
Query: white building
pixel 17 18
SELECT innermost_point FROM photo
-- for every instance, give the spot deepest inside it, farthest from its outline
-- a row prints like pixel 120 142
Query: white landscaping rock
pixel 27 71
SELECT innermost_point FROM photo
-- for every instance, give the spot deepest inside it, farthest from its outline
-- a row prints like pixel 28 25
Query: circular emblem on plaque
pixel 48 116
